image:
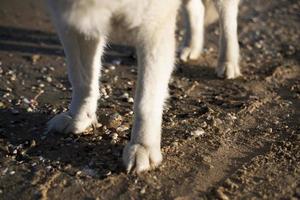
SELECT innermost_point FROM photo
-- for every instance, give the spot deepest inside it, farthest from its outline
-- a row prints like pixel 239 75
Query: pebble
pixel 111 67
pixel 12 172
pixel 221 195
pixel 2 105
pixel 49 168
pixel 175 144
pixel 143 190
pixel 13 77
pixel 217 122
pixel 35 58
pixel 125 95
pixel 108 173
pixel 130 100
pixel 269 130
pixel 60 86
pixel 203 124
pixel 207 159
pixel 130 112
pixel 197 133
pixel 78 173
pixel 114 136
pixel 48 79
pixel 122 128
pixel 114 121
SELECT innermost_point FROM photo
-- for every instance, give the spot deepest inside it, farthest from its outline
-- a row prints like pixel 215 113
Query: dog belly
pixel 118 20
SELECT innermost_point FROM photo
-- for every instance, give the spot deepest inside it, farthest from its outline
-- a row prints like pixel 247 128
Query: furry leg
pixel 83 59
pixel 196 12
pixel 155 61
pixel 228 61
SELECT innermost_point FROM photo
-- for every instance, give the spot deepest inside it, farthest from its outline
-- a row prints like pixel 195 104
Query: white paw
pixel 65 123
pixel 189 53
pixel 228 70
pixel 139 158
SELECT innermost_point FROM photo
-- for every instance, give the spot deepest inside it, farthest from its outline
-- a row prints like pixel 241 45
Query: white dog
pixel 202 13
pixel 84 27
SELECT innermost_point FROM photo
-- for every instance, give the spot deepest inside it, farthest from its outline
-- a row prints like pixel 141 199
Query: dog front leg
pixel 155 61
pixel 84 61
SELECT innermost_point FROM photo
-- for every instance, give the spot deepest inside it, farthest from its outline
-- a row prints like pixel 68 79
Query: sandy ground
pixel 222 139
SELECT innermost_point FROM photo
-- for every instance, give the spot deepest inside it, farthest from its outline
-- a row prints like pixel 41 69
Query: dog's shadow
pixel 195 71
pixel 79 152
pixel 28 42
pixel 92 154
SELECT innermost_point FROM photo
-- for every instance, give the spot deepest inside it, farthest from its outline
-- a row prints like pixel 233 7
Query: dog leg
pixel 196 13
pixel 155 61
pixel 228 61
pixel 83 60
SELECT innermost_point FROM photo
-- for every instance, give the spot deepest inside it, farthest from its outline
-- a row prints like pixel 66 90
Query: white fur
pixel 201 13
pixel 84 26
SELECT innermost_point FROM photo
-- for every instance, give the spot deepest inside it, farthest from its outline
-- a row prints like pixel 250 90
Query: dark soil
pixel 225 139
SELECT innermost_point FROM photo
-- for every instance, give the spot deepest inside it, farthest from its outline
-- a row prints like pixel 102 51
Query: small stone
pixel 197 133
pixel 203 124
pixel 175 144
pixel 79 173
pixel 35 58
pixel 130 100
pixel 217 122
pixel 269 130
pixel 207 159
pixel 125 95
pixel 111 67
pixel 108 173
pixel 2 105
pixel 48 79
pixel 49 168
pixel 122 128
pixel 114 121
pixel 221 195
pixel 12 172
pixel 143 190
pixel 13 77
pixel 15 151
pixel 114 136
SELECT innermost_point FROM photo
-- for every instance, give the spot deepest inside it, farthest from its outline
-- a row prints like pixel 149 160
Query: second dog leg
pixel 196 12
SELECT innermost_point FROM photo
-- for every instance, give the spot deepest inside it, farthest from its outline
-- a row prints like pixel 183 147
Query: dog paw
pixel 228 70
pixel 65 123
pixel 139 158
pixel 189 53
